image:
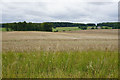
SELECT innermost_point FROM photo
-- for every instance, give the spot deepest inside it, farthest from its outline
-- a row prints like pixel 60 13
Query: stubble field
pixel 72 54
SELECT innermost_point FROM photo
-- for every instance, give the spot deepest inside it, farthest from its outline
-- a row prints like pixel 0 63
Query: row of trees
pixel 47 26
pixel 24 26
pixel 114 25
pixel 68 24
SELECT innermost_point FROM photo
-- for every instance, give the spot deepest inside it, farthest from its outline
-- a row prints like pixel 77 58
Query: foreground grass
pixel 91 64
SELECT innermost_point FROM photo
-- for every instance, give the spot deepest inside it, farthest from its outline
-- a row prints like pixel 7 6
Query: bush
pixel 106 28
pixel 56 31
pixel 92 28
pixel 63 30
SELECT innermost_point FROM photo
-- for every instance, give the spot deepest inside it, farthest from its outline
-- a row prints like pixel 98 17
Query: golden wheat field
pixel 74 40
pixel 72 54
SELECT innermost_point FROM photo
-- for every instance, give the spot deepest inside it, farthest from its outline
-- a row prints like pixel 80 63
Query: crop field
pixel 60 29
pixel 70 54
pixel 2 29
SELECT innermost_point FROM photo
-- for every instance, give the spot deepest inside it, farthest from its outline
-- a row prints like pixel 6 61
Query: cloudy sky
pixel 84 11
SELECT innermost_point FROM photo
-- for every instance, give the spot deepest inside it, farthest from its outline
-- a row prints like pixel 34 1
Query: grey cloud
pixel 59 11
pixel 100 3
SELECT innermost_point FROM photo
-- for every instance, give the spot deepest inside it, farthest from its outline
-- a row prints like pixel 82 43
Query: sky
pixel 78 11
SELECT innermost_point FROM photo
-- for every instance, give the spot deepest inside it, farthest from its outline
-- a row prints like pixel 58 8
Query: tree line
pixel 24 26
pixel 47 26
pixel 114 25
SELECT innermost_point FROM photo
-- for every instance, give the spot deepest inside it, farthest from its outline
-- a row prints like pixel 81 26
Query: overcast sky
pixel 83 11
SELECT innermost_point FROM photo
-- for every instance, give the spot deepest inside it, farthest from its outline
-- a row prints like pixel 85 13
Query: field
pixel 70 54
pixel 2 29
pixel 60 29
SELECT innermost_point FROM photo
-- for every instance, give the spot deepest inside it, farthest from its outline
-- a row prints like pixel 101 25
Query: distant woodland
pixel 47 26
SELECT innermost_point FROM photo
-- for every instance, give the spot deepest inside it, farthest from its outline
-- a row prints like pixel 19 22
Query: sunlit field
pixel 60 29
pixel 70 54
pixel 63 29
pixel 2 29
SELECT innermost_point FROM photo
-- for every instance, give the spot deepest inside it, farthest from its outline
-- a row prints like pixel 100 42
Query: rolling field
pixel 72 54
